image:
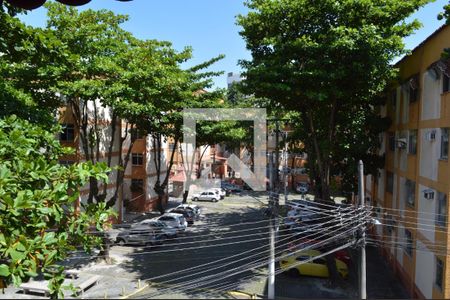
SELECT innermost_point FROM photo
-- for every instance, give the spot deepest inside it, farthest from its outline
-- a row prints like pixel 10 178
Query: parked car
pixel 220 191
pixel 206 196
pixel 159 227
pixel 302 187
pixel 195 208
pixel 187 214
pixel 174 220
pixel 231 187
pixel 315 267
pixel 142 235
pixel 343 255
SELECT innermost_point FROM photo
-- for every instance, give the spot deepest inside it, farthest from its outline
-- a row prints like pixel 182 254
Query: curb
pixel 146 285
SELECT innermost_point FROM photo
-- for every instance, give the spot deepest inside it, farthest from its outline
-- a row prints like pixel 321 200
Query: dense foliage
pixel 329 61
pixel 39 223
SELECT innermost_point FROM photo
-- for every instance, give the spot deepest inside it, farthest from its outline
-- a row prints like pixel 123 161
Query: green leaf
pixel 4 270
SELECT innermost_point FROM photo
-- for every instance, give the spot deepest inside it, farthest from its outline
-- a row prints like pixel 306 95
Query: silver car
pixel 206 196
pixel 159 227
pixel 176 221
pixel 139 236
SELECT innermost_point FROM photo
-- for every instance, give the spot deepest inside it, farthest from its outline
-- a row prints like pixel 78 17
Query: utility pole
pixel 285 174
pixel 273 207
pixel 271 281
pixel 362 256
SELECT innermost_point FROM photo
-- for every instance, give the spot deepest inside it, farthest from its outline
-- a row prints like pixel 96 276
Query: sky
pixel 208 26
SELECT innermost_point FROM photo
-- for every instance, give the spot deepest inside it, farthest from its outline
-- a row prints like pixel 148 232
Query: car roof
pixel 170 214
pixel 188 205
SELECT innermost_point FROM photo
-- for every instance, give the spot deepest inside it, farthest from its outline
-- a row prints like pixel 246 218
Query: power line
pixel 309 246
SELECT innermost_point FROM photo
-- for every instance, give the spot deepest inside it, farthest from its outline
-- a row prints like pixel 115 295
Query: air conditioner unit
pixel 401 143
pixel 431 135
pixel 428 194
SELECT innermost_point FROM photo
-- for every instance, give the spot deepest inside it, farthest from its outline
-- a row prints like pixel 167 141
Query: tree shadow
pixel 209 257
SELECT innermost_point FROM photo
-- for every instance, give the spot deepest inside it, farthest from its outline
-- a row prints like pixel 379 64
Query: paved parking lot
pixel 208 260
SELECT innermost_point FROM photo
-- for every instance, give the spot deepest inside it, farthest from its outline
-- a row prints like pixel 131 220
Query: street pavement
pixel 226 250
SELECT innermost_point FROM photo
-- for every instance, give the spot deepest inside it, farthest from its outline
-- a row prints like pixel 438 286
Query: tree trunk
pixel 123 163
pixel 185 197
pixel 110 149
pixel 103 255
pixel 159 205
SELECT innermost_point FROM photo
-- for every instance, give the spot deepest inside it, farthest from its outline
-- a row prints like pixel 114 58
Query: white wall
pixel 429 154
pixel 379 228
pixel 431 103
pixel 368 183
pixel 402 196
pixel 396 151
pixel 425 270
pixel 403 153
pixel 401 242
pixel 392 240
pixel 426 211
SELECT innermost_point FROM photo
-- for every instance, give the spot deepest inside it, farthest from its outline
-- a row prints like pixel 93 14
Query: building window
pixel 137 159
pixel 137 185
pixel 135 134
pixel 413 94
pixel 412 142
pixel 389 182
pixel 409 242
pixel 441 209
pixel 444 143
pixel 439 272
pixel 171 146
pixel 68 133
pixel 394 98
pixel 410 192
pixel 445 83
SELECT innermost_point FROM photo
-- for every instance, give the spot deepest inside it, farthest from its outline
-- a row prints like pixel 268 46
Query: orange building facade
pixel 411 193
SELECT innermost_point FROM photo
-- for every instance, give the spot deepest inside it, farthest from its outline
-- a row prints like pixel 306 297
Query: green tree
pixel 327 60
pixel 88 76
pixel 39 223
pixel 27 61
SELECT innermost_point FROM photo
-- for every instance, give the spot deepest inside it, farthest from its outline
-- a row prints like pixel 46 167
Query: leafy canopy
pixel 329 61
pixel 39 224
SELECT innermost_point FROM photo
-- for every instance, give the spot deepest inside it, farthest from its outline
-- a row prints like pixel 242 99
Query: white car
pixel 206 196
pixel 159 226
pixel 221 192
pixel 174 220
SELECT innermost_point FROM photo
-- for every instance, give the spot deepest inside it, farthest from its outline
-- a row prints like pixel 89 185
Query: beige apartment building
pixel 137 191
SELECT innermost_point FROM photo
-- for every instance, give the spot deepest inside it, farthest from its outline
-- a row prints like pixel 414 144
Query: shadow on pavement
pixel 219 241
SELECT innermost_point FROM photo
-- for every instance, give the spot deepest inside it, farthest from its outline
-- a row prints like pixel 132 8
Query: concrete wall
pixel 429 154
pixel 425 214
pixel 425 265
pixel 431 101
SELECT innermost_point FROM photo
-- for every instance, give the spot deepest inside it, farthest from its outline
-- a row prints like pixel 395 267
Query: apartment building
pixel 141 172
pixel 137 193
pixel 70 137
pixel 411 193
